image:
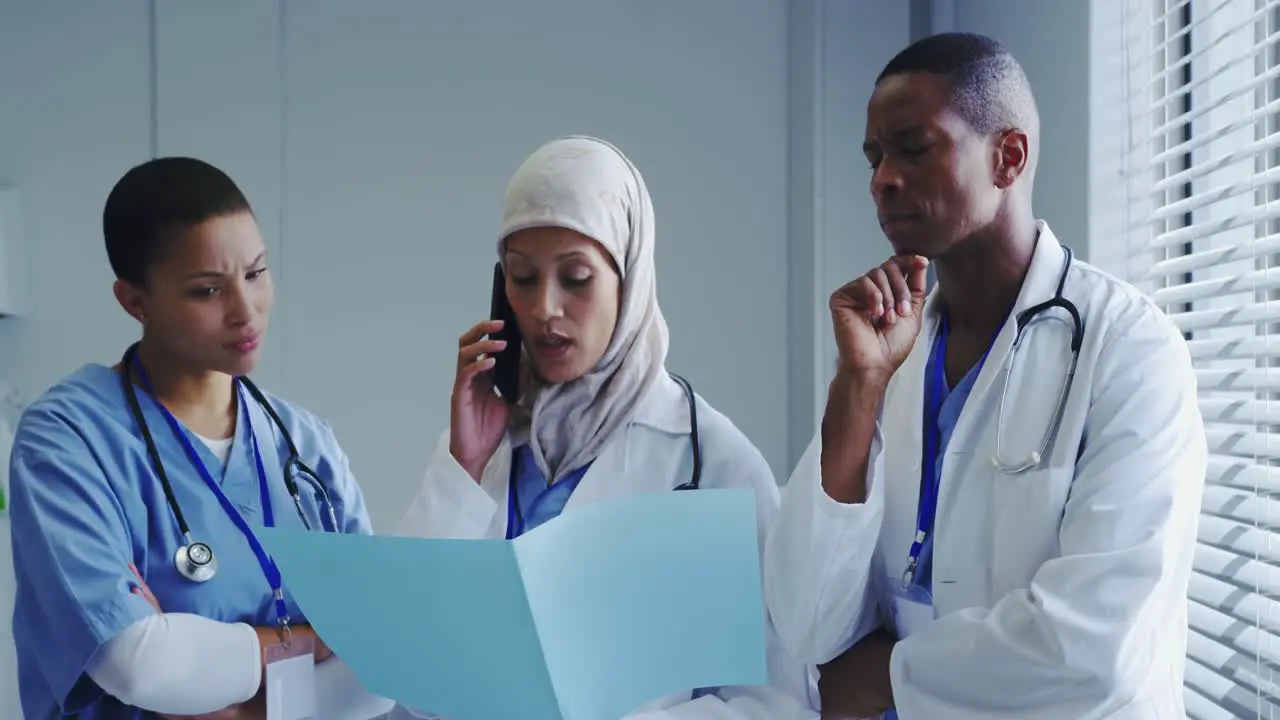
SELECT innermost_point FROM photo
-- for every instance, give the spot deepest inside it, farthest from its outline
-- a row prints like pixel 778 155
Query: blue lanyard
pixel 269 569
pixel 927 508
pixel 930 473
pixel 515 520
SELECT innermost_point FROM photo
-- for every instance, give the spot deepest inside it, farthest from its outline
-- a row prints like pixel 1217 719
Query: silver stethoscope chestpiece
pixel 196 562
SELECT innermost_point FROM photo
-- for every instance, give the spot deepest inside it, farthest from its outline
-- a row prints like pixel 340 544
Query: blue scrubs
pixel 940 417
pixel 86 503
pixel 533 503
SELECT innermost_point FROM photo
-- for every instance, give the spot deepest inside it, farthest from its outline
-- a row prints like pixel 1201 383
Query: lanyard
pixel 927 508
pixel 515 519
pixel 269 569
pixel 930 473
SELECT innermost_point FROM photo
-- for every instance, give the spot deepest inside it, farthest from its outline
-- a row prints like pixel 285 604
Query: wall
pixel 837 49
pixel 375 145
pixel 1051 41
pixel 82 115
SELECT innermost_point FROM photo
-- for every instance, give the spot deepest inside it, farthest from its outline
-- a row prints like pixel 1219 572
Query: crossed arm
pixel 90 625
pixel 182 661
pixel 1081 637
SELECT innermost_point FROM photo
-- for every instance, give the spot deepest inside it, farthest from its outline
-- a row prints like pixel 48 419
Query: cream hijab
pixel 585 184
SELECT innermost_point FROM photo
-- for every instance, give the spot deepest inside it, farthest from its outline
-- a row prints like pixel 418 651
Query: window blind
pixel 1201 184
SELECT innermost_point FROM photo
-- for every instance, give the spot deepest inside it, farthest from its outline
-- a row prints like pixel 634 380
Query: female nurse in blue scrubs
pixel 142 590
pixel 598 414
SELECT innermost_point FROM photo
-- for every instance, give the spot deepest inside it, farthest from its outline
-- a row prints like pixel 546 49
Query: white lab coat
pixel 651 454
pixel 1060 593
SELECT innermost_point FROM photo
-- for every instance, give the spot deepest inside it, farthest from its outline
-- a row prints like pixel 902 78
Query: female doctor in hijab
pixel 599 415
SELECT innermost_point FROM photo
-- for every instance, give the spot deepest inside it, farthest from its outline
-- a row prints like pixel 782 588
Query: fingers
pixel 862 296
pixel 880 301
pixel 476 350
pixel 887 295
pixel 898 284
pixel 142 590
pixel 895 301
pixel 145 593
pixel 478 331
pixel 887 292
pixel 468 369
pixel 914 268
pixel 476 359
pixel 480 351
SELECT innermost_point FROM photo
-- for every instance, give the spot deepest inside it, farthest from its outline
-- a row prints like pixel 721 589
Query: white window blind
pixel 1200 179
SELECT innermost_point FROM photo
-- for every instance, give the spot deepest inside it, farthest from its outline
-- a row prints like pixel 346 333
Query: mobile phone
pixel 506 367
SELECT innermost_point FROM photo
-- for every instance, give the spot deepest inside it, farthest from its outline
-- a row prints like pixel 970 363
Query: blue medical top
pixel 87 503
pixel 952 400
pixel 537 503
pixel 949 401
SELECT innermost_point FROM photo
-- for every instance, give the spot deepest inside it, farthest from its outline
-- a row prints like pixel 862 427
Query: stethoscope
pixel 929 490
pixel 515 518
pixel 195 560
pixel 1026 319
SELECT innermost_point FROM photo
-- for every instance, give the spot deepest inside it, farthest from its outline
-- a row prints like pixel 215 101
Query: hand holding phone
pixel 488 358
pixel 506 369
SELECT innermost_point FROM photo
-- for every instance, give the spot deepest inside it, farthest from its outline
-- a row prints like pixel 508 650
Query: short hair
pixel 989 89
pixel 154 201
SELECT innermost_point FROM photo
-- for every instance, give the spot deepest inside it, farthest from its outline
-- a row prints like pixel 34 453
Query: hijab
pixel 587 185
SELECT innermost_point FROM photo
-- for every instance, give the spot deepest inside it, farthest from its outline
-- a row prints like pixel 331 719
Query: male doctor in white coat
pixel 1054 586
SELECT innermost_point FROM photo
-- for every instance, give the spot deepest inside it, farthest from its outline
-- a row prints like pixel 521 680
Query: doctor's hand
pixel 856 684
pixel 876 318
pixel 142 590
pixel 478 416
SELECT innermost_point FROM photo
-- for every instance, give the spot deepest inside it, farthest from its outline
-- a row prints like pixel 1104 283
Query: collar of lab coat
pixel 1039 285
pixel 664 409
pixel 904 406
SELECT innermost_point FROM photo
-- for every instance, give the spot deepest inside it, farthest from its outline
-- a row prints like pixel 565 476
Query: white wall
pixel 837 50
pixel 375 144
pixel 1051 41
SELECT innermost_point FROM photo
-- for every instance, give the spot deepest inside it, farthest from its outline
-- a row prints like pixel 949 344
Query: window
pixel 1199 197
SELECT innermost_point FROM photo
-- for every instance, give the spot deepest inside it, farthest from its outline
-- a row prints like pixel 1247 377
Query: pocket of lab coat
pixel 1027 518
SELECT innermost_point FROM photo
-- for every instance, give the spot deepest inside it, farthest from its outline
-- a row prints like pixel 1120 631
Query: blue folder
pixel 586 617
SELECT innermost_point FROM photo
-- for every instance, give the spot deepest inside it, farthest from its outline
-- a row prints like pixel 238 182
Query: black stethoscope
pixel 926 508
pixel 696 479
pixel 196 560
pixel 515 518
pixel 1026 319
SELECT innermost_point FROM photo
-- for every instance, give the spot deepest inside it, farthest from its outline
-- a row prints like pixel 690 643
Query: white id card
pixel 912 610
pixel 910 616
pixel 291 680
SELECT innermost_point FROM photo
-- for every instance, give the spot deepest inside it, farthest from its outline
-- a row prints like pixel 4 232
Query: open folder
pixel 586 617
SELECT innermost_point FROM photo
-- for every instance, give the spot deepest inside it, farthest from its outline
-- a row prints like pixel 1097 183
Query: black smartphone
pixel 506 368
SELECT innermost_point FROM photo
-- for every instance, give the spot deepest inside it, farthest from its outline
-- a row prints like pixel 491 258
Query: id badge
pixel 291 679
